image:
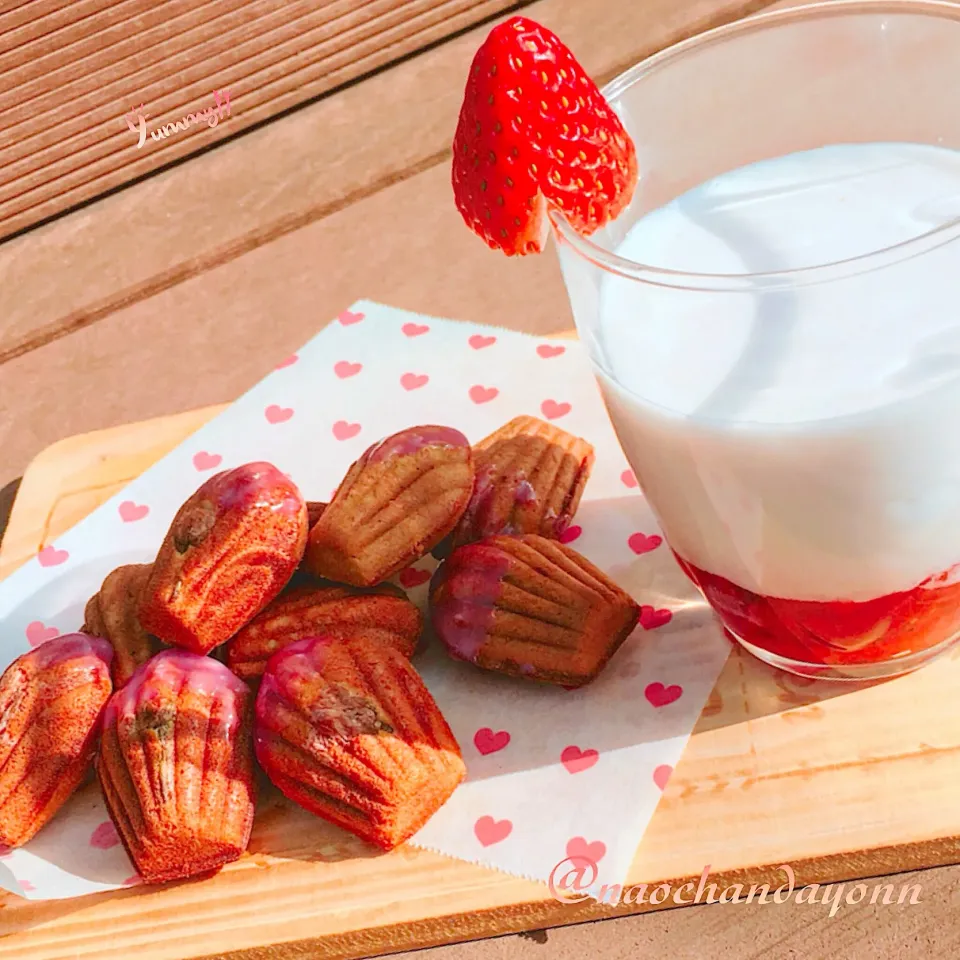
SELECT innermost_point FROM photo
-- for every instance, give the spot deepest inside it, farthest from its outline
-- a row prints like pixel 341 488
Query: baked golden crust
pixel 230 550
pixel 380 613
pixel 176 766
pixel 51 702
pixel 112 613
pixel 530 476
pixel 397 502
pixel 530 607
pixel 349 731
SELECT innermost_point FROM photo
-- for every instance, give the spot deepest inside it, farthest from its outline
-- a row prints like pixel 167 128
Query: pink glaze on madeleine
pixel 52 699
pixel 176 766
pixel 230 550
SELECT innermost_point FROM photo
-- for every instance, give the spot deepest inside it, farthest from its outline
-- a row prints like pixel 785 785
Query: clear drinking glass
pixel 826 532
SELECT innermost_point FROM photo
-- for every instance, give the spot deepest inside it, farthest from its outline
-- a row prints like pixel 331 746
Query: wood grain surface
pixel 70 72
pixel 179 292
pixel 296 173
pixel 838 781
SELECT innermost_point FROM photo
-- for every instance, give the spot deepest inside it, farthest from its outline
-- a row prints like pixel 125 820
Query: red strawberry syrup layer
pixel 837 631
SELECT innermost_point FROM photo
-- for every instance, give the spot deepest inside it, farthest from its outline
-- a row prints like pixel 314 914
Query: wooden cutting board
pixel 838 781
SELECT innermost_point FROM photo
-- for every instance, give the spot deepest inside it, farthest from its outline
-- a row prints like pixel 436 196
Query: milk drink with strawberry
pixel 799 435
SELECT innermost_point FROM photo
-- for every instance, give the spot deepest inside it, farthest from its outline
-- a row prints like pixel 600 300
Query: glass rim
pixel 611 262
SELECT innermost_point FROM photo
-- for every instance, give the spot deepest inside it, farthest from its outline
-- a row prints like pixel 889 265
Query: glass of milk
pixel 775 326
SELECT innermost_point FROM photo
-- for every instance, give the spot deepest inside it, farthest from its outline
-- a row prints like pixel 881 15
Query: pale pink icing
pixel 71 646
pixel 412 440
pixel 161 678
pixel 252 486
pixel 86 658
pixel 472 579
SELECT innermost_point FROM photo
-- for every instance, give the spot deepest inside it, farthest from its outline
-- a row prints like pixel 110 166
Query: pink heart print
pixel 345 431
pixel 579 849
pixel 629 479
pixel 413 381
pixel 130 512
pixel 660 696
pixel 348 318
pixel 641 543
pixel 662 774
pixel 38 632
pixel 415 329
pixel 478 341
pixel 553 410
pixel 487 741
pixel 206 461
pixel 50 556
pixel 133 881
pixel 650 617
pixel 548 350
pixel 412 577
pixel 577 760
pixel 571 534
pixel 344 369
pixel 105 836
pixel 26 886
pixel 288 362
pixel 479 394
pixel 275 414
pixel 489 831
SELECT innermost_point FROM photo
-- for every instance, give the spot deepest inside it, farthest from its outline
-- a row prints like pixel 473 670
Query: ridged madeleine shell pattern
pixel 382 613
pixel 397 502
pixel 530 476
pixel 176 766
pixel 349 731
pixel 230 550
pixel 530 607
pixel 113 613
pixel 51 702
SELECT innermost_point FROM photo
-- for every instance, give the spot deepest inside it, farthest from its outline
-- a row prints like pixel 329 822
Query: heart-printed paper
pixel 549 770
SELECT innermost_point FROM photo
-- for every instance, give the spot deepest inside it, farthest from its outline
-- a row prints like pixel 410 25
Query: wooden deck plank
pixel 209 338
pixel 292 172
pixel 68 76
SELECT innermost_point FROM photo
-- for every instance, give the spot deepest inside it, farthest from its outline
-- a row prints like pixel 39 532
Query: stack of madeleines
pixel 265 631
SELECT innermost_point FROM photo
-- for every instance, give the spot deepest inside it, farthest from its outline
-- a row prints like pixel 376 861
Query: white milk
pixel 803 442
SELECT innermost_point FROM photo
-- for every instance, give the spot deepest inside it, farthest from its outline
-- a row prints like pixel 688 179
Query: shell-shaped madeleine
pixel 113 613
pixel 51 702
pixel 176 766
pixel 380 613
pixel 530 476
pixel 397 502
pixel 349 731
pixel 529 607
pixel 230 550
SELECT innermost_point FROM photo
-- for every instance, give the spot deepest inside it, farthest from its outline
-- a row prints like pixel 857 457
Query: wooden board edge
pixel 519 918
pixel 78 455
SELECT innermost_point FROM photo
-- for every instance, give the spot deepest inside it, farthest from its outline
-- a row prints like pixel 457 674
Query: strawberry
pixel 534 129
